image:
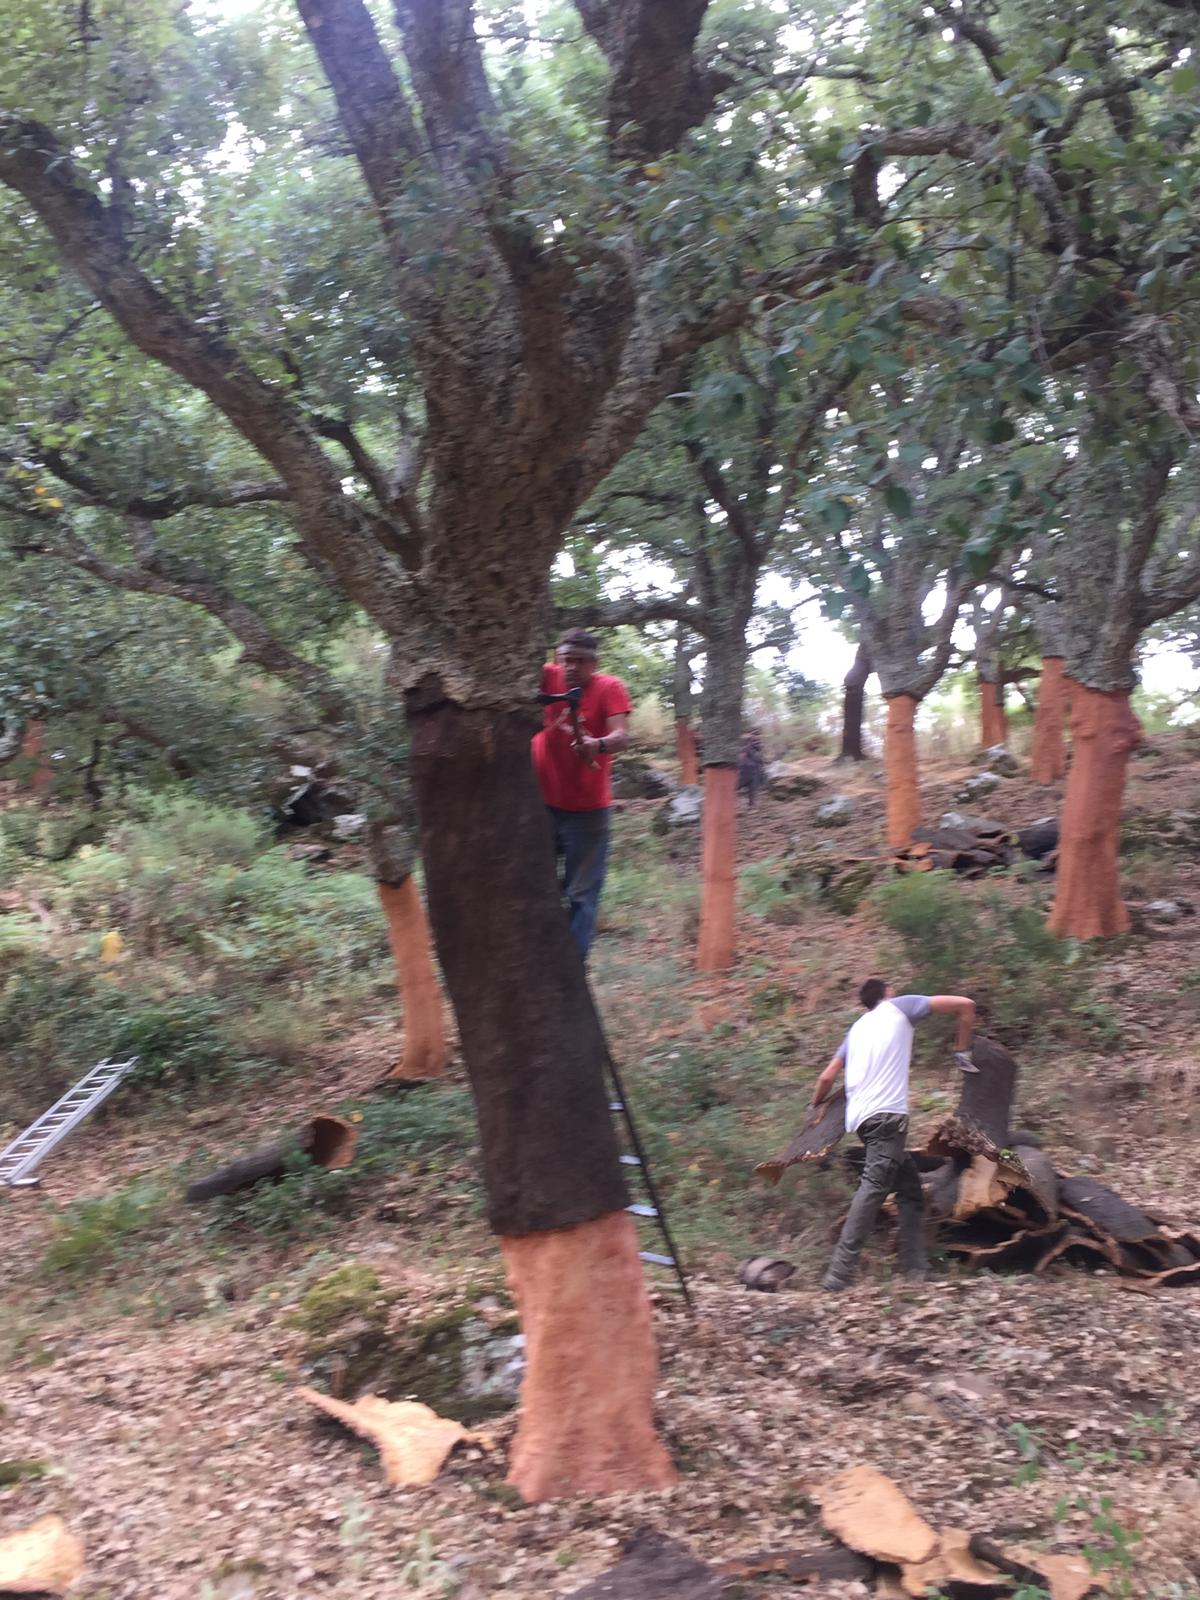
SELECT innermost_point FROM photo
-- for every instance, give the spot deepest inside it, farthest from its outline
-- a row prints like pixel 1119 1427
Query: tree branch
pixel 156 508
pixel 334 530
pixel 634 613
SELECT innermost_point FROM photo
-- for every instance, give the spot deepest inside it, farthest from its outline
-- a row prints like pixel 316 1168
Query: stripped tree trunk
pixel 685 749
pixel 1048 756
pixel 718 904
pixel 33 749
pixel 426 1051
pixel 536 1056
pixel 900 765
pixel 854 687
pixel 1087 900
pixel 993 720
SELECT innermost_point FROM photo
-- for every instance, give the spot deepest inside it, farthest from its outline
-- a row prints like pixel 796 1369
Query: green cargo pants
pixel 887 1168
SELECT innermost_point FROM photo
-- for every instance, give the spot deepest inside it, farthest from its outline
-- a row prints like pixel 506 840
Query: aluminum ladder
pixel 28 1150
pixel 619 1104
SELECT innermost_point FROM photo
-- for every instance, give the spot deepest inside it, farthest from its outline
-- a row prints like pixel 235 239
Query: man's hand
pixel 815 1113
pixel 962 1060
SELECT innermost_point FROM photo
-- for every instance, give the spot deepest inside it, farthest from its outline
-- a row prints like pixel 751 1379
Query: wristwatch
pixel 602 746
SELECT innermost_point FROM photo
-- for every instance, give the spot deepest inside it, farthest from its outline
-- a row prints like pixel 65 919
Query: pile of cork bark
pixel 972 846
pixel 995 1199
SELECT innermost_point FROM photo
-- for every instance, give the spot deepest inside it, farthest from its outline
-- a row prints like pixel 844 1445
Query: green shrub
pixel 92 1235
pixel 1029 983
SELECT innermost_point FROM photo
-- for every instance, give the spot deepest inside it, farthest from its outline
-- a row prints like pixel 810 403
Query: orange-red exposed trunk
pixel 994 725
pixel 718 892
pixel 587 1402
pixel 685 746
pixel 425 1048
pixel 1087 898
pixel 1048 757
pixel 33 748
pixel 900 766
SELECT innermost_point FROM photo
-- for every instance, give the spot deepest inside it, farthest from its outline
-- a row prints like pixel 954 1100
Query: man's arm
pixel 616 738
pixel 824 1084
pixel 961 1006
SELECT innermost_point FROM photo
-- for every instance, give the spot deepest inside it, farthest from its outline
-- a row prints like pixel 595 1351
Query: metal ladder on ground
pixel 619 1105
pixel 25 1154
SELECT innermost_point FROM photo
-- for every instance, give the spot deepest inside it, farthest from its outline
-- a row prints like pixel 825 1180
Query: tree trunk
pixel 33 742
pixel 900 765
pixel 994 723
pixel 854 685
pixel 535 1054
pixel 718 895
pixel 1087 899
pixel 1048 758
pixel 425 1049
pixel 587 1401
pixel 685 745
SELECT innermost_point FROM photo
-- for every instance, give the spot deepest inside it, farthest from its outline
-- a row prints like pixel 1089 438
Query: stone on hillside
pixel 1163 911
pixel 1000 760
pixel 975 788
pixel 683 810
pixel 348 825
pixel 836 812
pixel 633 778
pixel 785 783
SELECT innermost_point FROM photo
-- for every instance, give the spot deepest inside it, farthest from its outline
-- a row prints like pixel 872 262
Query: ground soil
pixel 1062 1412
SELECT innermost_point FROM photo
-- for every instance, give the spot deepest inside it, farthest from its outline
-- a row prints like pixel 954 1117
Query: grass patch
pixel 93 1236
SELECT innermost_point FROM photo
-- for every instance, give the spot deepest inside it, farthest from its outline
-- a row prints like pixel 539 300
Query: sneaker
pixel 962 1060
pixel 833 1285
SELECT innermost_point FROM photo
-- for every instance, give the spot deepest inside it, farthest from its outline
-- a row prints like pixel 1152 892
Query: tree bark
pixel 1087 900
pixel 900 765
pixel 685 746
pixel 1048 757
pixel 536 1056
pixel 854 686
pixel 718 896
pixel 425 1049
pixel 993 719
pixel 587 1402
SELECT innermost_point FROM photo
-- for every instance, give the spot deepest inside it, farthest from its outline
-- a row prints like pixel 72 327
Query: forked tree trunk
pixel 900 767
pixel 718 900
pixel 1048 756
pixel 425 1049
pixel 854 686
pixel 993 720
pixel 1087 898
pixel 533 1048
pixel 685 746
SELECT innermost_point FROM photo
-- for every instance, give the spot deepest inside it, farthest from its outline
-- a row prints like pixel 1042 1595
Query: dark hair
pixel 579 639
pixel 872 992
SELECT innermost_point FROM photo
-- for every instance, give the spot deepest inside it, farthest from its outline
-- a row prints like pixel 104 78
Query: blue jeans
pixel 581 843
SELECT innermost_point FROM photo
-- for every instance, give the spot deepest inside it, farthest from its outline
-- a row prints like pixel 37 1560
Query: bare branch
pixel 634 613
pixel 719 491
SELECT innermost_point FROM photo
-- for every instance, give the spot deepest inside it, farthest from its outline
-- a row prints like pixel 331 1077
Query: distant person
pixel 876 1054
pixel 572 757
pixel 752 767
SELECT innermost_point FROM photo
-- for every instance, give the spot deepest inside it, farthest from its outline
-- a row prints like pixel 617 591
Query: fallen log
pixel 1065 1577
pixel 654 1567
pixel 833 1564
pixel 327 1141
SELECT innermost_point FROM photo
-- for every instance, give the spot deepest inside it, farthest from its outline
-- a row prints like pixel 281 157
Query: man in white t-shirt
pixel 876 1054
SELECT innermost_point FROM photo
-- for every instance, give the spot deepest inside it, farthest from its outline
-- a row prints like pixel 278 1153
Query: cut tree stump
pixel 327 1141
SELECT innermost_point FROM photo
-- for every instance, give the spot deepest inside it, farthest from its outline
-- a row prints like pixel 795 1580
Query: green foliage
pixel 1029 984
pixel 350 1293
pixel 93 1236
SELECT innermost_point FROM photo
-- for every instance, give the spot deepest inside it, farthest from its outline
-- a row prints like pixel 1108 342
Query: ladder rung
pixel 616 1105
pixel 643 1211
pixel 632 1161
pixel 659 1261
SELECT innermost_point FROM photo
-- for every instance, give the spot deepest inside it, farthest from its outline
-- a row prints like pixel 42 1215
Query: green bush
pixel 93 1235
pixel 1029 984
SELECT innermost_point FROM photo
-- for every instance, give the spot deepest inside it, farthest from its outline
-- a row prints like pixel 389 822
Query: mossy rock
pixel 22 1472
pixel 457 1363
pixel 349 1294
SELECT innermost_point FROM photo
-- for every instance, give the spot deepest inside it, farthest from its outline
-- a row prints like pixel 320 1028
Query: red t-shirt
pixel 565 779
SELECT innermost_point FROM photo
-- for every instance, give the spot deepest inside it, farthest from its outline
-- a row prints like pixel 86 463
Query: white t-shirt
pixel 877 1052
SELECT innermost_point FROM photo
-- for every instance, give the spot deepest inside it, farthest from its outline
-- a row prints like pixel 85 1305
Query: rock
pixel 633 778
pixel 683 810
pixel 348 824
pixel 975 788
pixel 836 812
pixel 1163 911
pixel 1000 760
pixel 785 783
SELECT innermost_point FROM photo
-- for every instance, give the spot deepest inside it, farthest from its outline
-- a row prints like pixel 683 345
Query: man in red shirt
pixel 575 775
